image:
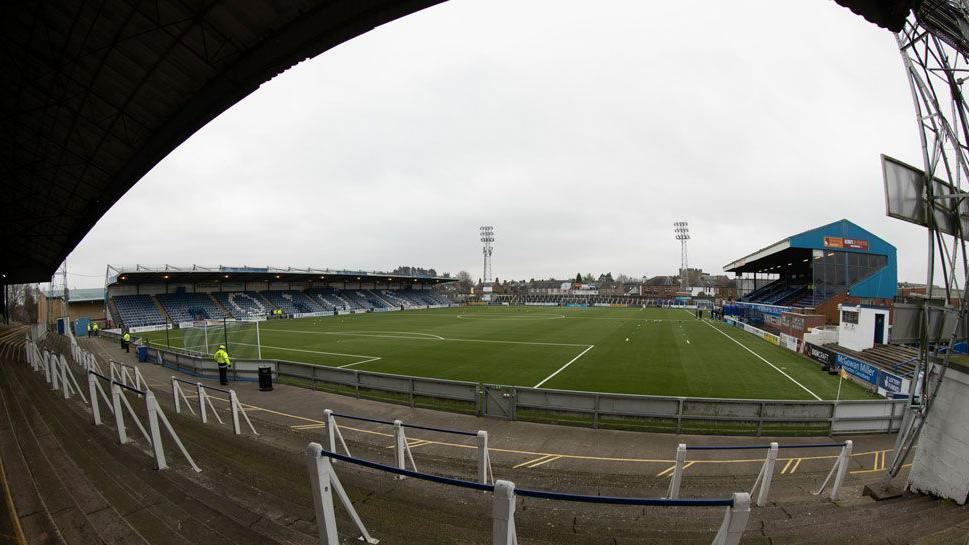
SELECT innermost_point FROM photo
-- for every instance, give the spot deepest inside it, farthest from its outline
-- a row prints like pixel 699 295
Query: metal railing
pixel 325 482
pixel 205 400
pixel 155 416
pixel 402 447
pixel 766 475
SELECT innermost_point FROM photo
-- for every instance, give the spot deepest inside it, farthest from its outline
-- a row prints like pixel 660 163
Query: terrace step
pixel 166 507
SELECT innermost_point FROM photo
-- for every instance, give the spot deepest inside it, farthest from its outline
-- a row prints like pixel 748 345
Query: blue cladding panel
pixel 884 283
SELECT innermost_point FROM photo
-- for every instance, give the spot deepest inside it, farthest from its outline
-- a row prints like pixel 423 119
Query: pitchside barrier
pixel 402 445
pixel 205 400
pixel 590 409
pixel 766 475
pixel 325 482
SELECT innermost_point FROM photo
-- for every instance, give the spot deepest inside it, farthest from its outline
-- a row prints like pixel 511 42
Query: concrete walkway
pixel 523 445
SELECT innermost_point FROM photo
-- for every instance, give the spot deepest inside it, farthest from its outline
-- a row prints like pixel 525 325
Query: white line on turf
pixel 514 342
pixel 368 360
pixel 776 368
pixel 310 351
pixel 560 369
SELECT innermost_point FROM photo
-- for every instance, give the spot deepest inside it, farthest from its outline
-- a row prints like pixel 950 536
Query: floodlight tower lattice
pixel 681 231
pixel 934 46
pixel 487 248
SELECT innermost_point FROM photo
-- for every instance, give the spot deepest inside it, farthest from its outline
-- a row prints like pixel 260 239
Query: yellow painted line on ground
pixel 545 461
pixel 666 471
pixel 18 530
pixel 308 426
pixel 787 465
pixel 532 461
pixel 797 463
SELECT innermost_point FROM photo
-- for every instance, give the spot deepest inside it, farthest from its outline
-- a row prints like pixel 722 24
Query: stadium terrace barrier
pixel 766 475
pixel 325 483
pixel 592 409
pixel 204 398
pixel 402 445
pixel 155 415
pixel 57 374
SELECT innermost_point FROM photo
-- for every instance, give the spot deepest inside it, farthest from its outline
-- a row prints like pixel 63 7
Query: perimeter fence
pixel 589 409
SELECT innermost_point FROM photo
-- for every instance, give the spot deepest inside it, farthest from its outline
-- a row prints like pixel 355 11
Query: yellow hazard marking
pixel 532 461
pixel 791 466
pixel 545 461
pixel 668 472
pixel 308 426
pixel 857 471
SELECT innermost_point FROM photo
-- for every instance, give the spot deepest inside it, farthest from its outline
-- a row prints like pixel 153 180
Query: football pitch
pixel 620 350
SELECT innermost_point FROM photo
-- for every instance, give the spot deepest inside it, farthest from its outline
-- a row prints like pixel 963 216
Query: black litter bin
pixel 265 379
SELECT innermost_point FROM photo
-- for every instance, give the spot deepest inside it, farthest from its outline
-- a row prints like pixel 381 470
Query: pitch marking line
pixel 560 369
pixel 425 337
pixel 776 368
pixel 368 360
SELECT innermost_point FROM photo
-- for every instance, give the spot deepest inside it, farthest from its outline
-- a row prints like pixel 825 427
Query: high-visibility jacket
pixel 127 337
pixel 89 326
pixel 95 326
pixel 222 358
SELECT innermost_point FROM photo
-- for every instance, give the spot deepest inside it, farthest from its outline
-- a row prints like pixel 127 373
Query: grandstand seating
pixel 141 310
pixel 395 299
pixel 185 307
pixel 292 301
pixel 137 310
pixel 356 299
pixel 243 304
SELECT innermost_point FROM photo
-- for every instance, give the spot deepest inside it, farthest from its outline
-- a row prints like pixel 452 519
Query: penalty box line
pixel 560 369
pixel 367 359
pixel 776 368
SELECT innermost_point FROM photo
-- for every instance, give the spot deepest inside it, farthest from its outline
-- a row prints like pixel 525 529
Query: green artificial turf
pixel 635 351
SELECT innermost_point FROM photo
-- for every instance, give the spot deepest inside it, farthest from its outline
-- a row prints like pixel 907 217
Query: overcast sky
pixel 580 134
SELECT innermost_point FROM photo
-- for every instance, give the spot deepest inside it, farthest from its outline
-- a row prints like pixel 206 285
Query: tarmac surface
pixel 519 447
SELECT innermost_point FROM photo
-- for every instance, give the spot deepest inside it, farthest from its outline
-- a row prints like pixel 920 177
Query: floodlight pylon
pixel 487 241
pixel 681 232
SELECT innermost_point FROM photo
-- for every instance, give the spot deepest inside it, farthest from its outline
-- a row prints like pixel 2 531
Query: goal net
pixel 240 337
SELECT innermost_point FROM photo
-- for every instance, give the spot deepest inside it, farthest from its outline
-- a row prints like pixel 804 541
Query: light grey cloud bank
pixel 580 133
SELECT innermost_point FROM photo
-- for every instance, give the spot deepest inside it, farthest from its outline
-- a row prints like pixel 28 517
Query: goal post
pixel 240 337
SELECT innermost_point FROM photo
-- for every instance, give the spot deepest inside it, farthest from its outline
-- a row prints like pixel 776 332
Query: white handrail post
pixel 734 521
pixel 65 388
pixel 234 405
pixel 47 366
pixel 484 458
pixel 400 443
pixel 118 416
pixel 330 428
pixel 54 372
pixel 92 387
pixel 503 514
pixel 201 394
pixel 178 402
pixel 677 472
pixel 320 477
pixel 843 461
pixel 767 474
pixel 151 404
